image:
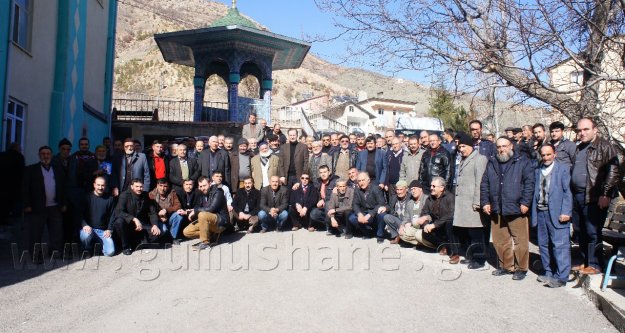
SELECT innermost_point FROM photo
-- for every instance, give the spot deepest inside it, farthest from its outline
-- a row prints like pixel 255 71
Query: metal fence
pixel 166 110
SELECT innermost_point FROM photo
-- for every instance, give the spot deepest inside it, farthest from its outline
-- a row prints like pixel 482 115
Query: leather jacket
pixel 438 164
pixel 353 157
pixel 213 202
pixel 603 170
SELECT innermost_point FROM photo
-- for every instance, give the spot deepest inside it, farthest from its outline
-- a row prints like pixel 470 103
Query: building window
pixel 14 124
pixel 22 11
pixel 380 111
pixel 352 124
pixel 577 77
pixel 351 108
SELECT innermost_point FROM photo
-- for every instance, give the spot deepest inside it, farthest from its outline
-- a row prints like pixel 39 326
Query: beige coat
pixel 257 171
pixel 470 172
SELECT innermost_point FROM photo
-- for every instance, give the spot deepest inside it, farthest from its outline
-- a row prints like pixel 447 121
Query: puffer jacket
pixel 438 164
pixel 506 192
pixel 603 170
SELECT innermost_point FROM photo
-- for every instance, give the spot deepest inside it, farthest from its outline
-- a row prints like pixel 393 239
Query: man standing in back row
pixel 293 160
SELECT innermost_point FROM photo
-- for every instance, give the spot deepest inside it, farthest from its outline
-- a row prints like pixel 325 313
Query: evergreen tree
pixel 442 107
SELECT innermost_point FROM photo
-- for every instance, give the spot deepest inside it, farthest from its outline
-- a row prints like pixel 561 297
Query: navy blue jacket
pixel 560 196
pixel 506 192
pixel 380 164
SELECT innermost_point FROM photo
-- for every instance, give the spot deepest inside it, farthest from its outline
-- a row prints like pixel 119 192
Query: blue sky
pixel 302 18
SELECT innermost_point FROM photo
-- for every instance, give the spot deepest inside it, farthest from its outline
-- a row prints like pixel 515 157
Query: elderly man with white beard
pixel 506 195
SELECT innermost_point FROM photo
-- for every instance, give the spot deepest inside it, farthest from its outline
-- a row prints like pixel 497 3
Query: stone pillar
pixel 233 98
pixel 199 83
pixel 265 87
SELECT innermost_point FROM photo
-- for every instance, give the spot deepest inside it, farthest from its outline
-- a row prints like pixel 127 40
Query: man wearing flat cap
pixel 565 148
pixel 240 164
pixel 252 129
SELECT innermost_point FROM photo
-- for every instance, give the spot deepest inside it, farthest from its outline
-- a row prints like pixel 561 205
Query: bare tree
pixel 519 42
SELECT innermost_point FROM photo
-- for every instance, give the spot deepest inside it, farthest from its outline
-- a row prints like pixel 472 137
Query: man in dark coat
pixel 215 159
pixel 246 205
pixel 127 166
pixel 368 203
pixel 301 202
pixel 182 168
pixel 293 160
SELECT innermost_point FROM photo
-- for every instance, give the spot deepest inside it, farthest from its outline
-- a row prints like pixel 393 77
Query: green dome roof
pixel 234 18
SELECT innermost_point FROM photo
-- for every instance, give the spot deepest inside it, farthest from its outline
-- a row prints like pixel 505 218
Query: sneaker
pixel 475 265
pixel 204 246
pixel 195 246
pixel 519 275
pixel 262 231
pixel 380 240
pixel 348 236
pixel 466 261
pixel 127 252
pixel 553 283
pixel 500 272
pixel 543 279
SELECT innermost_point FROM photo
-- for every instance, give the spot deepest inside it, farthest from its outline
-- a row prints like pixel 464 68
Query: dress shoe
pixel 454 260
pixel 311 229
pixel 475 265
pixel 553 283
pixel 127 252
pixel 380 240
pixel 395 240
pixel 577 268
pixel 204 246
pixel 589 270
pixel 543 279
pixel 519 275
pixel 295 228
pixel 262 231
pixel 177 241
pixel 443 251
pixel 348 236
pixel 500 272
pixel 466 261
pixel 329 233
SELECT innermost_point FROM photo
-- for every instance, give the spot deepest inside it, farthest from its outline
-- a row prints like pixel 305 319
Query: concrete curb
pixel 609 302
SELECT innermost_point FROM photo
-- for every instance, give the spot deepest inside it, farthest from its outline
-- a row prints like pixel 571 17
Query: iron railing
pixel 166 110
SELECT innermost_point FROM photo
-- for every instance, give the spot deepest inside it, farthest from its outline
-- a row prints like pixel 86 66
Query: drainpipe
pixel 7 69
pixel 110 64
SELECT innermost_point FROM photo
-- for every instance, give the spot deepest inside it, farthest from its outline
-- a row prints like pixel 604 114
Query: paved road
pixel 333 288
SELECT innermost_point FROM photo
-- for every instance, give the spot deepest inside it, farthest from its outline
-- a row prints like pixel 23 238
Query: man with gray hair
pixel 214 159
pixel 318 158
pixel 401 208
pixel 506 195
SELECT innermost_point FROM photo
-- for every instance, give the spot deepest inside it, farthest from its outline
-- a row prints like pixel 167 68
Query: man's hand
pixel 401 229
pixel 422 220
pixel 303 211
pixel 382 210
pixel 428 228
pixel 335 190
pixel 181 212
pixel 564 218
pixel 191 215
pixel 524 209
pixel 115 192
pixel 320 203
pixel 230 208
pixel 137 224
pixel 283 180
pixel 381 186
pixel 107 234
pixel 486 209
pixel 155 230
pixel 331 212
pixel 334 223
pixel 604 202
pixel 87 229
pixel 386 188
pixel 162 212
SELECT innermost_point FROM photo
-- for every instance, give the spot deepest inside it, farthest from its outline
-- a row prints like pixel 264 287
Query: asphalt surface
pixel 260 283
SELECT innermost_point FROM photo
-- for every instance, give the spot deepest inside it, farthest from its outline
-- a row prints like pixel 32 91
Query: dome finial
pixel 234 4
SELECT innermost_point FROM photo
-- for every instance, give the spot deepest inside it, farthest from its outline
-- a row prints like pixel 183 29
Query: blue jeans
pixel 554 244
pixel 266 219
pixel 97 235
pixel 175 220
pixel 589 219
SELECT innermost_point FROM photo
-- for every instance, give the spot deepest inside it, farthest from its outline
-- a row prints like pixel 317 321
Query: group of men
pixel 449 192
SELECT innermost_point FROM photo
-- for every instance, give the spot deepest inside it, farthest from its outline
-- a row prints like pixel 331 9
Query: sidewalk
pixel 611 301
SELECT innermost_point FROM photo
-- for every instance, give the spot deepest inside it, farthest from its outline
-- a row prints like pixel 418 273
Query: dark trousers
pixel 36 222
pixel 341 219
pixel 374 224
pixel 472 241
pixel 299 221
pixel 555 247
pixel 589 219
pixel 130 238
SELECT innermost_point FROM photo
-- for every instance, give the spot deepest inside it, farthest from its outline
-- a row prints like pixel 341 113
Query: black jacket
pixel 175 172
pixel 506 192
pixel 374 200
pixel 267 201
pixel 188 202
pixel 438 164
pixel 308 200
pixel 329 187
pixel 441 211
pixel 213 202
pixel 222 163
pixel 33 188
pixel 150 157
pixel 131 205
pixel 602 169
pixel 252 199
pixel 353 157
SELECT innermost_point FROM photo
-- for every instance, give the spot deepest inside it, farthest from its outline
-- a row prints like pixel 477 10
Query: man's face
pixel 136 188
pixel 220 140
pixel 424 139
pixel 217 178
pixel 276 129
pixel 181 150
pixel 316 147
pixel 199 146
pixel 520 135
pixel 465 150
pixel 100 154
pixel 416 192
pixel 526 134
pixel 248 184
pixel 344 143
pixel 326 141
pixel 274 144
pixel 352 139
pixel 252 144
pixel 274 182
pixel 363 181
pixel 173 150
pixel 435 141
pixel 389 135
pixel 401 191
pixel 157 148
pixel 586 130
pixel 98 186
pixel 228 144
pixel 360 141
pixel 106 142
pixel 380 142
pixel 118 145
pixel 263 123
pixel 292 136
pixel 476 131
pixel 65 151
pixel 436 189
pixel 213 143
pixel 556 134
pixel 203 186
pixel 547 154
pixel 396 145
pixel 352 174
pixel 341 187
pixel 370 145
pixel 334 140
pixel 324 174
pixel 242 148
pixel 413 145
pixel 252 119
pixel 188 186
pixel 305 179
pixel 309 141
pixel 83 145
pixel 129 147
pixel 510 134
pixel 137 146
pixel 162 188
pixel 503 146
pixel 539 133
